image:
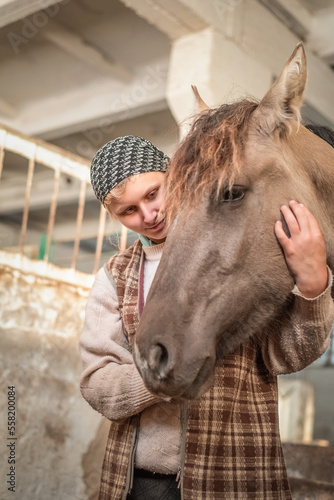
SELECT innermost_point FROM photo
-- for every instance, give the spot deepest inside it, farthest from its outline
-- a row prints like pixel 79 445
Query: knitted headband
pixel 122 158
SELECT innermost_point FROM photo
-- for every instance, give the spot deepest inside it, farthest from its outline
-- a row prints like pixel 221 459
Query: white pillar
pixel 296 410
pixel 221 71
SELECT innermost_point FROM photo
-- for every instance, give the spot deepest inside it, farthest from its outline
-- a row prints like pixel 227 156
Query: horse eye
pixel 233 194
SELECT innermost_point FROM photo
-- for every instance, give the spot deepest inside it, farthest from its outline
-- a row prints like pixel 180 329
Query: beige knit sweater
pixel 112 385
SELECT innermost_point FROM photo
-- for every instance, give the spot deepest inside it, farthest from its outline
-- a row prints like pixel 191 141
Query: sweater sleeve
pixel 300 338
pixel 110 381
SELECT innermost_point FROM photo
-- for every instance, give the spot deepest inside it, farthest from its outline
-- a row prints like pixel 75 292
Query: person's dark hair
pixel 325 133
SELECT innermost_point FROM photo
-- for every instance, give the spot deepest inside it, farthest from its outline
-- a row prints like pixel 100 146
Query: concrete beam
pixel 177 18
pixel 217 13
pixel 318 27
pixel 65 231
pixel 104 123
pixel 293 14
pixel 14 10
pixel 62 232
pixel 299 12
pixel 76 46
pixel 13 192
pixel 174 18
pixel 321 38
pixel 256 30
pixel 7 109
pixel 97 105
pixel 223 73
pixel 268 40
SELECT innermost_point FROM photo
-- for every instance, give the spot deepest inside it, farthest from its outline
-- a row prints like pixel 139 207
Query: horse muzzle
pixel 167 376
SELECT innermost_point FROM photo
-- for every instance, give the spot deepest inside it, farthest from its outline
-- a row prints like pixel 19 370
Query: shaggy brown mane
pixel 210 153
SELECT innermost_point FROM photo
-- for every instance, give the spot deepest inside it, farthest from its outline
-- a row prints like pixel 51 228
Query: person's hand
pixel 305 251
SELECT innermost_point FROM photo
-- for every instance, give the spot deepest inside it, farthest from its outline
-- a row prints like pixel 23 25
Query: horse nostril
pixel 158 360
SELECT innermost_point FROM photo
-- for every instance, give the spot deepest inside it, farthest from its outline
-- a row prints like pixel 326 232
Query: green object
pixel 42 248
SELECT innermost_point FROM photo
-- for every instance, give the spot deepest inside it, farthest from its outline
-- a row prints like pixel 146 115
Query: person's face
pixel 138 208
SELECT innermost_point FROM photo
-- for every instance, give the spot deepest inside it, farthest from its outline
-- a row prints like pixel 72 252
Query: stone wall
pixel 59 440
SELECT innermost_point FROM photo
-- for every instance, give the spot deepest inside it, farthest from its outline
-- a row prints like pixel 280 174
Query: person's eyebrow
pixel 152 187
pixel 119 207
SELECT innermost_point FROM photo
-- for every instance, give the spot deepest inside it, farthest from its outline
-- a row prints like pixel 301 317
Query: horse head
pixel 223 277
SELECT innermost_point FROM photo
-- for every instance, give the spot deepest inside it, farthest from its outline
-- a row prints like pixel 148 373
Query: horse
pixel 223 276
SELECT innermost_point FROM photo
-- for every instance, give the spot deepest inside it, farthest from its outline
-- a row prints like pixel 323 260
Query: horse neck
pixel 313 159
pixel 316 162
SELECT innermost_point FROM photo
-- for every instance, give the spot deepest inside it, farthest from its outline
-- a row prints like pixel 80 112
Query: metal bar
pixel 52 214
pixel 45 154
pixel 26 205
pixel 2 155
pixel 124 237
pixel 2 151
pixel 100 236
pixel 80 213
pixel 38 153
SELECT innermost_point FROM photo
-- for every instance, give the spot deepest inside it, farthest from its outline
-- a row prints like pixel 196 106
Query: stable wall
pixel 60 439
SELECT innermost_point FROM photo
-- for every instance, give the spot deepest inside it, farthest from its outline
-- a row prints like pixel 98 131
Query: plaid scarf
pixel 232 447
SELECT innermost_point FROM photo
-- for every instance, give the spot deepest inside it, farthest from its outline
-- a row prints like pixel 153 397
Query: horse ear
pixel 201 105
pixel 281 105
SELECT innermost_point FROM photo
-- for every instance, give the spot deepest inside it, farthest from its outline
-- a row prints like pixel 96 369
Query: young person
pixel 143 457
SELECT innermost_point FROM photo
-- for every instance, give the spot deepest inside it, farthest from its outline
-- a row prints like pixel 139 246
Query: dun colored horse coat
pixel 223 277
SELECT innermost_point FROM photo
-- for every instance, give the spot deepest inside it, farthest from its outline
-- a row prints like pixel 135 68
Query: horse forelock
pixel 209 156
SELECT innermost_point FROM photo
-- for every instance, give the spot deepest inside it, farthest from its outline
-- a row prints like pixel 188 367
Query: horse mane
pixel 210 155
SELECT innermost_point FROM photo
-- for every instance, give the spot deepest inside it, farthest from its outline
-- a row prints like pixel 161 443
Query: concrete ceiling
pixel 316 5
pixel 79 65
pixel 65 69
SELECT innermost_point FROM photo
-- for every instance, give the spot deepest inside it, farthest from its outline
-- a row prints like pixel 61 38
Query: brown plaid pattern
pixel 233 449
pixel 116 459
pixel 233 446
pixel 124 268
